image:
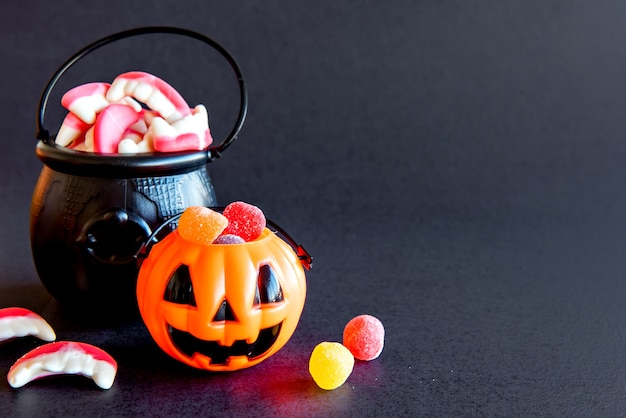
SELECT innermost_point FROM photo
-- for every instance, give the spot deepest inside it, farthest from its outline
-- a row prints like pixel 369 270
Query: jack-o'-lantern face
pixel 221 306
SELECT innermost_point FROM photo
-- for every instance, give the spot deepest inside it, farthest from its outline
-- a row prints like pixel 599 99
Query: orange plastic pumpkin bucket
pixel 223 307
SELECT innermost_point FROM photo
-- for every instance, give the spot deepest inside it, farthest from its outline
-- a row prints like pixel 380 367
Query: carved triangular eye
pixel 224 313
pixel 180 288
pixel 257 297
pixel 268 285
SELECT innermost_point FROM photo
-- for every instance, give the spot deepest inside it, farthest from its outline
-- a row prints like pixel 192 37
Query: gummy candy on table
pixel 21 322
pixel 330 365
pixel 64 357
pixel 364 336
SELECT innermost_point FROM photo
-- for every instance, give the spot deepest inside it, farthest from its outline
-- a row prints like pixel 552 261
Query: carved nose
pixel 224 313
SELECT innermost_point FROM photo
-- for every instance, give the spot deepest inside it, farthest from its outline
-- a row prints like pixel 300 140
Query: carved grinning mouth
pixel 219 354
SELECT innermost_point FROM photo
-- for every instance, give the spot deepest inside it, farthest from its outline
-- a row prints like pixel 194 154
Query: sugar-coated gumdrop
pixel 245 220
pixel 330 365
pixel 228 239
pixel 201 225
pixel 364 336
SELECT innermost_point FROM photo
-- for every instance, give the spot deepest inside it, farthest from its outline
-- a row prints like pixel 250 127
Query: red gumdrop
pixel 364 336
pixel 244 220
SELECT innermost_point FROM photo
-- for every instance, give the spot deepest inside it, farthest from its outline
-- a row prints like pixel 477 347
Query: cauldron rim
pixel 88 164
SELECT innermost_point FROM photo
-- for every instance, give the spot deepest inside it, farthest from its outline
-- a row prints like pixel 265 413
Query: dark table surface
pixel 455 169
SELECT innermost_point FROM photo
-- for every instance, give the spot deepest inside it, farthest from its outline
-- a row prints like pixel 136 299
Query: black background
pixel 455 169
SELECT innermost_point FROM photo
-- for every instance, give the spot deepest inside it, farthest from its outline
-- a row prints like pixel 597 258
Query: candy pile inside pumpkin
pixel 221 306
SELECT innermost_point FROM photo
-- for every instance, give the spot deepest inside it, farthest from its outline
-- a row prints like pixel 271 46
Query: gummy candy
pixel 111 123
pixel 330 365
pixel 64 357
pixel 20 322
pixel 85 101
pixel 151 90
pixel 245 220
pixel 201 225
pixel 364 336
pixel 188 133
pixel 228 239
pixel 168 125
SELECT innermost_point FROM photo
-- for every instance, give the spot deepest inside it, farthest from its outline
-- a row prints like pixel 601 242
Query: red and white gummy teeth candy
pixel 364 336
pixel 109 118
pixel 66 357
pixel 21 322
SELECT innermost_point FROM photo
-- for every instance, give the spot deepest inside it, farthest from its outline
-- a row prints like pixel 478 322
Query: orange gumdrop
pixel 201 225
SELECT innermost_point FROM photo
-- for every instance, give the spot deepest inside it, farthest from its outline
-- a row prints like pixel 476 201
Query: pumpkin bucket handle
pixel 214 151
pixel 303 255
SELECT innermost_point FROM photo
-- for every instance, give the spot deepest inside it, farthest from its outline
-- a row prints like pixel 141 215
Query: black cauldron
pixel 91 213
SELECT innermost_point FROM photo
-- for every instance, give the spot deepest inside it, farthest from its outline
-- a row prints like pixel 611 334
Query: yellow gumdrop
pixel 201 225
pixel 330 365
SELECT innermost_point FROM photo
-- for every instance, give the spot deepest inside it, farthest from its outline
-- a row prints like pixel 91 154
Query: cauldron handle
pixel 303 255
pixel 212 152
